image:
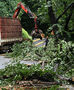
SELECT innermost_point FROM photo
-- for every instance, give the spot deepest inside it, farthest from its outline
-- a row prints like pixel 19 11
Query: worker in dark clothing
pixel 37 34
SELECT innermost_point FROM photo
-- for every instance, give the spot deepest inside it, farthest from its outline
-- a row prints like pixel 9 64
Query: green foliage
pixel 43 12
pixel 17 72
pixel 7 7
pixel 18 49
pixel 59 30
pixel 3 88
pixel 60 33
pixel 3 9
pixel 54 87
pixel 58 9
pixel 61 52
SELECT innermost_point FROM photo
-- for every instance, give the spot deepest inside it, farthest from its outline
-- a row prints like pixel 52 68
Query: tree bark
pixel 51 13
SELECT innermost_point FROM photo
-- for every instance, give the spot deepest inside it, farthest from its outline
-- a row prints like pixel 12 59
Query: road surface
pixel 4 61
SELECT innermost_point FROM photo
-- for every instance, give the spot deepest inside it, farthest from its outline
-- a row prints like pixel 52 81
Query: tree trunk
pixel 51 13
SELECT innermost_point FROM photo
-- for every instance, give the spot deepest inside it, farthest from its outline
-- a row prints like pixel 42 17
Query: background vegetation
pixel 49 12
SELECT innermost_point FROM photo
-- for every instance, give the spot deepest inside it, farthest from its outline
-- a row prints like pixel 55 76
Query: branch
pixel 60 76
pixel 68 19
pixel 63 77
pixel 38 54
pixel 51 13
pixel 71 5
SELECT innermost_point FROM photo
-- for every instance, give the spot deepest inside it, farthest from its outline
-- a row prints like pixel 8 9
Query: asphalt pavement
pixel 4 61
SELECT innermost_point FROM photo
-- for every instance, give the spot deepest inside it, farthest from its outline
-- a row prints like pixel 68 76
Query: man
pixel 37 34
